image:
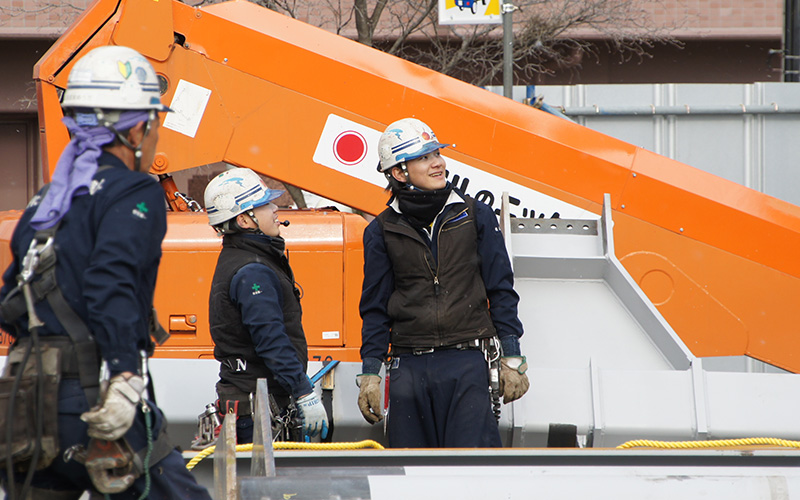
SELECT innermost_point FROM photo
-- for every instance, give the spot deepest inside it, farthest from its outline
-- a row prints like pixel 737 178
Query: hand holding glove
pixel 513 381
pixel 369 397
pixel 315 418
pixel 114 416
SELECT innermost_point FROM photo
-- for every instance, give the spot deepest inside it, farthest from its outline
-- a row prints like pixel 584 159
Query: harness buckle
pixel 423 350
pixel 472 344
pixel 32 258
pixel 491 349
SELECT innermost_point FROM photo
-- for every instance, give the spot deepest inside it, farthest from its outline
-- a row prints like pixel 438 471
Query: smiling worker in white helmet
pixel 437 295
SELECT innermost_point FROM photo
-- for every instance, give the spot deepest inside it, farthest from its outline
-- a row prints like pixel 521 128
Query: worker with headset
pixel 77 299
pixel 437 303
pixel 255 314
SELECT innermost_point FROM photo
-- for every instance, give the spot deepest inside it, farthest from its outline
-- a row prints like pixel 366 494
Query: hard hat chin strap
pixel 231 225
pixel 402 167
pixel 137 150
pixel 257 229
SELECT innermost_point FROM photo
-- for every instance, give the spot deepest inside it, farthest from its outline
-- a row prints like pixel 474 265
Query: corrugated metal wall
pixel 747 133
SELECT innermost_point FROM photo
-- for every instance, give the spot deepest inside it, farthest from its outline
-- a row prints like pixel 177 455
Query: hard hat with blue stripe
pixel 236 191
pixel 405 140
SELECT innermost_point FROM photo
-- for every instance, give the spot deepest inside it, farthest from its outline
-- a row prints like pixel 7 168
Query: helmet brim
pixel 269 195
pixel 424 150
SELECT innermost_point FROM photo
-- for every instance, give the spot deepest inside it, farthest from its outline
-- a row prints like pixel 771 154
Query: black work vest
pixel 232 341
pixel 436 303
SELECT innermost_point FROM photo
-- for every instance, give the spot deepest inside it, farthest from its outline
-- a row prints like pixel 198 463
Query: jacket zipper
pixel 436 286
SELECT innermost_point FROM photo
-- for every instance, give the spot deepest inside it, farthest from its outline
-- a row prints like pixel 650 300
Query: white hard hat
pixel 113 77
pixel 236 191
pixel 405 140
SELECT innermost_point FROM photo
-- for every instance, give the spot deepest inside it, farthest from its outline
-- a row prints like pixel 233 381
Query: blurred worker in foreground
pixel 438 288
pixel 254 311
pixel 86 252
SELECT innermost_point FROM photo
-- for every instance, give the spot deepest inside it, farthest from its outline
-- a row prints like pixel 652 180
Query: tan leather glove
pixel 369 397
pixel 114 416
pixel 513 381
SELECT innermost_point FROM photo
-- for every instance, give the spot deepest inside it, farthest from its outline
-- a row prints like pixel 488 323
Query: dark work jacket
pixel 255 317
pixel 466 253
pixel 436 302
pixel 108 248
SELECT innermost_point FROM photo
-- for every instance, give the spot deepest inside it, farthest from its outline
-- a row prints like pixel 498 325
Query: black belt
pixel 418 351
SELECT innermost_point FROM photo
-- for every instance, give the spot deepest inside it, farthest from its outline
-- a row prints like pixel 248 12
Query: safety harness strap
pixel 82 340
pixel 161 448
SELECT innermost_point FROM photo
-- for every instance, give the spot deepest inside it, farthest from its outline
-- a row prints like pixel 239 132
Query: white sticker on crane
pixel 330 335
pixel 188 106
pixel 352 149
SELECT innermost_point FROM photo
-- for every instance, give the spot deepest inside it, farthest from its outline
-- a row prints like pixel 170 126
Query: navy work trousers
pixel 441 400
pixel 169 479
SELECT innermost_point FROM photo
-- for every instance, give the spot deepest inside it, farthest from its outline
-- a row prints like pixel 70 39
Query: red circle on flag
pixel 350 147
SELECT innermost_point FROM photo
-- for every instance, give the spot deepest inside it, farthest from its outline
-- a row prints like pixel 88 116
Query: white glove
pixel 114 416
pixel 315 418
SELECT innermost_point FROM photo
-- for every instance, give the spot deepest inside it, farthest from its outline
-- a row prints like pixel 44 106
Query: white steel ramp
pixel 603 359
pixel 509 473
pixel 604 365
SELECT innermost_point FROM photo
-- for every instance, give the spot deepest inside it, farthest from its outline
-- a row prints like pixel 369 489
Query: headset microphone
pixel 283 222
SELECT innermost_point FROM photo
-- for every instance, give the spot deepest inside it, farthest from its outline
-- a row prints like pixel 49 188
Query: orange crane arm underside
pixel 716 258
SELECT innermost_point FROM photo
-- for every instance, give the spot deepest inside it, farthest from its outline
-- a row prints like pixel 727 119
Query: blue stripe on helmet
pixel 404 145
pixel 245 194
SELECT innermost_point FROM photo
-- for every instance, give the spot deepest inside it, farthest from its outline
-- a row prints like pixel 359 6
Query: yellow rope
pixel 287 445
pixel 720 443
pixel 637 443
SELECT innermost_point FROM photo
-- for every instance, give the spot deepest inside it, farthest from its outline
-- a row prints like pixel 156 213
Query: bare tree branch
pixel 65 11
pixel 549 35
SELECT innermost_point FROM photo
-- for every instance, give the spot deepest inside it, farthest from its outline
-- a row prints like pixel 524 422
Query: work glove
pixel 369 397
pixel 112 418
pixel 315 418
pixel 513 381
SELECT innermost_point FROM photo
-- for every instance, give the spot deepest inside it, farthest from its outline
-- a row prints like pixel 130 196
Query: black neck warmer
pixel 277 243
pixel 421 207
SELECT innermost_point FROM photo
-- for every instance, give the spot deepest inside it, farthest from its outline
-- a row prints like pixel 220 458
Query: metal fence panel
pixel 746 133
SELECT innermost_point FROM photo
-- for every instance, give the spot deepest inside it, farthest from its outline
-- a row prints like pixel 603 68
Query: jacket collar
pixel 455 197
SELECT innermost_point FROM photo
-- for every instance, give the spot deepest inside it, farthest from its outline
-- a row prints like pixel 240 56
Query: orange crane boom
pixel 716 258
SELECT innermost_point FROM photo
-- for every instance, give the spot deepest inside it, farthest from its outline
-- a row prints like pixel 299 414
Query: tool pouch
pixel 232 400
pixel 20 421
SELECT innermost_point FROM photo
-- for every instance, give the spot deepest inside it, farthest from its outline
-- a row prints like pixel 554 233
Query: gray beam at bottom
pixel 520 483
pixel 516 473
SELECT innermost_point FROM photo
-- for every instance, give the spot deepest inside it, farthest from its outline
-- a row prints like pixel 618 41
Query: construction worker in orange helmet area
pixel 86 253
pixel 437 304
pixel 254 311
